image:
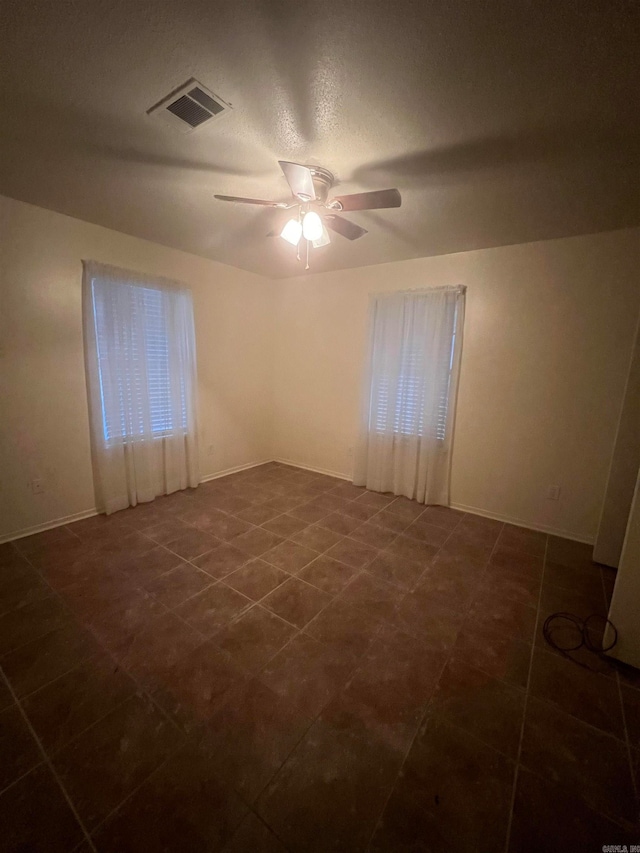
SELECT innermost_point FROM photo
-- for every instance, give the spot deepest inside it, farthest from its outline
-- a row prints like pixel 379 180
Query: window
pixel 141 386
pixel 143 357
pixel 411 396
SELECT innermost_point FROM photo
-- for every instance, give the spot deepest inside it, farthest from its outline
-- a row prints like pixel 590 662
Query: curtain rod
pixel 454 288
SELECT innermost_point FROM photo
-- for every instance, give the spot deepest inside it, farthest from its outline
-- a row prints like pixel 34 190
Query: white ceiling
pixel 500 122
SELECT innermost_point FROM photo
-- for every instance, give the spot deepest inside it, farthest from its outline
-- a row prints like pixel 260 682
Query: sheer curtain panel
pixel 409 395
pixel 141 380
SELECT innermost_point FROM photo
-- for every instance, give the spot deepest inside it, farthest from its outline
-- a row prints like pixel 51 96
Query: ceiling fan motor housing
pixel 323 180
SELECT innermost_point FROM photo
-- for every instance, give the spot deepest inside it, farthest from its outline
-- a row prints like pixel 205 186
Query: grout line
pixel 447 658
pixel 48 761
pixel 526 701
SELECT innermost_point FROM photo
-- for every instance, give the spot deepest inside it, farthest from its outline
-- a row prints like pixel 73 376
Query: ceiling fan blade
pixel 239 200
pixel 299 179
pixel 375 200
pixel 344 227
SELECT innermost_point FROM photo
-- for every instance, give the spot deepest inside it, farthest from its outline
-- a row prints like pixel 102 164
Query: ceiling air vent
pixel 189 107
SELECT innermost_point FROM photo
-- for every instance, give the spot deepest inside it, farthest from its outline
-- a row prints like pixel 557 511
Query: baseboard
pixel 235 470
pixel 473 510
pixel 78 516
pixel 508 519
pixel 47 525
pixel 312 469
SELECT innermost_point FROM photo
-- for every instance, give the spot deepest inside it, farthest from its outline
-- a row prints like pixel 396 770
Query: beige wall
pixel 43 409
pixel 548 335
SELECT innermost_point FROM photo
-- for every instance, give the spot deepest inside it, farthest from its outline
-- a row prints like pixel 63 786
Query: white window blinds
pixel 137 385
pixel 411 396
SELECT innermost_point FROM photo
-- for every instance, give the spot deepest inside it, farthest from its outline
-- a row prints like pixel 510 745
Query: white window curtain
pixel 409 395
pixel 141 381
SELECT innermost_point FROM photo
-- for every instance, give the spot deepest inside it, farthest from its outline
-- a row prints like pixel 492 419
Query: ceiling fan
pixel 310 186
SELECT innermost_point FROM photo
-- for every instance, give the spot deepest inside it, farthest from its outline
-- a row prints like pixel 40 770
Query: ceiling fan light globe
pixel 324 239
pixel 292 232
pixel 312 226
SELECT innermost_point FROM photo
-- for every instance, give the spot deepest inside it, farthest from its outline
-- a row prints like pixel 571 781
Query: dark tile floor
pixel 281 661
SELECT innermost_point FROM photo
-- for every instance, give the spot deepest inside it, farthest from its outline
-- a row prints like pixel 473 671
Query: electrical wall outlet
pixel 553 493
pixel 37 487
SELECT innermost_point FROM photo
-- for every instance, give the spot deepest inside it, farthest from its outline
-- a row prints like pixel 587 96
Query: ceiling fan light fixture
pixel 292 232
pixel 312 226
pixel 324 239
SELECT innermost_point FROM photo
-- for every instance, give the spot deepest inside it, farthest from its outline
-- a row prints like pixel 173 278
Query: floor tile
pixel 222 561
pixel 18 588
pixel 587 579
pixel 179 584
pixel 116 630
pixel 429 533
pixel 48 538
pixel 631 703
pixel 35 816
pixel 517 562
pixel 30 622
pixel 391 521
pixel 523 539
pixel 517 587
pixel 580 758
pixel 285 525
pixel 376 597
pixel 587 695
pixel 359 511
pixel 193 544
pixel 503 616
pixel 327 574
pixel 167 530
pixel 396 569
pixel 109 760
pixel 257 541
pixel 296 602
pixel 181 806
pixel 352 553
pixel 41 661
pixel 500 656
pixel 577 555
pixel 481 705
pixel 405 509
pixel 412 550
pixel 443 516
pixel 371 534
pixel 307 674
pixel 310 512
pixel 375 499
pixel 435 624
pixel 19 752
pixel 546 817
pixel 254 638
pixel 453 589
pixel 212 609
pixel 289 556
pixel 253 834
pixel 225 526
pixel 454 793
pixel 250 736
pixel 146 567
pixel 76 700
pixel 256 579
pixel 345 625
pixel 258 513
pixel 339 523
pixel 386 695
pixel 316 538
pixel 195 684
pixel 330 792
pixel 148 654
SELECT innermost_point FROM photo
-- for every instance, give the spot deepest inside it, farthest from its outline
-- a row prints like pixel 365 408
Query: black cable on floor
pixel 582 632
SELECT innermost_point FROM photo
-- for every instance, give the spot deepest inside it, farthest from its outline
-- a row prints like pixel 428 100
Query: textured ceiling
pixel 500 122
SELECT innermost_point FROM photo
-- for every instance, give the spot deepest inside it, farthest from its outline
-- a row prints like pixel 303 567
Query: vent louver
pixel 189 107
